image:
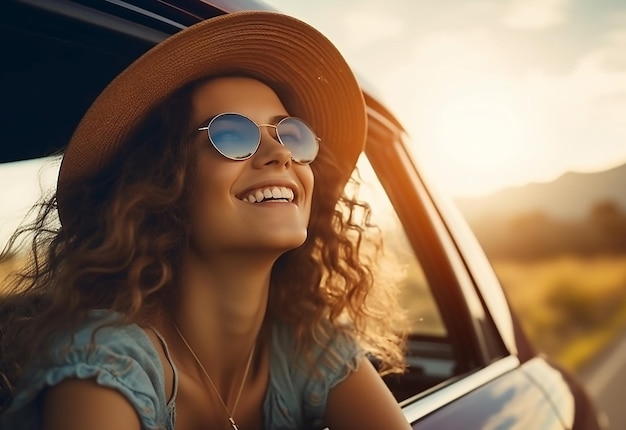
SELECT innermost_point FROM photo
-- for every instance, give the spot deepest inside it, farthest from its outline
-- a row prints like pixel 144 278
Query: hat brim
pixel 275 48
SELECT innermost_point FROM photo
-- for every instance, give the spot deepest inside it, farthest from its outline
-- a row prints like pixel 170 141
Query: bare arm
pixel 363 401
pixel 82 404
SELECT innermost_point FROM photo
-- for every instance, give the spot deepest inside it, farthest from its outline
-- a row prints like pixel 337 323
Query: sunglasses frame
pixel 258 144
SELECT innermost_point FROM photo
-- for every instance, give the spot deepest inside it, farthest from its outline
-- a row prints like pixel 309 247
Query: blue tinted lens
pixel 298 137
pixel 234 136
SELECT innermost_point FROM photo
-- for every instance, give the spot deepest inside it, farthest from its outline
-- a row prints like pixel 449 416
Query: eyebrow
pixel 273 120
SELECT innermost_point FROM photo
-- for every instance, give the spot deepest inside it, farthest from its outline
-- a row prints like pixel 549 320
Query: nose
pixel 271 151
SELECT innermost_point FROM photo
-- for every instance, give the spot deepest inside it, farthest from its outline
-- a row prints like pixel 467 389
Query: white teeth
pixel 274 193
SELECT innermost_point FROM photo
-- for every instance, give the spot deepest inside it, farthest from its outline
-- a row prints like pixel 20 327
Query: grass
pixel 578 352
pixel 571 307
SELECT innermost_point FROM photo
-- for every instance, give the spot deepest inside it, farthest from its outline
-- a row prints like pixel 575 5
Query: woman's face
pixel 223 218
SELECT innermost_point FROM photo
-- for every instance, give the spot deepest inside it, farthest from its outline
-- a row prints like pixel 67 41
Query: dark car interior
pixel 81 49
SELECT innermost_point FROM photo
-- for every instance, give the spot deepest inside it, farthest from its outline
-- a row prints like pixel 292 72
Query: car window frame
pixel 387 152
pixel 424 224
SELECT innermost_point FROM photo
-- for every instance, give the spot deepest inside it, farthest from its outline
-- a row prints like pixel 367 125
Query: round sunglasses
pixel 237 137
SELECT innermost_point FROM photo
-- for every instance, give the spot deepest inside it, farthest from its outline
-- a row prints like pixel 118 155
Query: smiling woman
pixel 208 269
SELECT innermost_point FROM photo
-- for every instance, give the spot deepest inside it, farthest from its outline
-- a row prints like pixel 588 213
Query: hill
pixel 571 197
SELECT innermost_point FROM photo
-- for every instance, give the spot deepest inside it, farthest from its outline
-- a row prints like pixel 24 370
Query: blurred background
pixel 516 113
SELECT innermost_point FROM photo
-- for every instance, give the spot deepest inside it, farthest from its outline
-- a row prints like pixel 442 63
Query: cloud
pixel 612 55
pixel 557 122
pixel 437 64
pixel 535 14
pixel 617 18
pixel 577 117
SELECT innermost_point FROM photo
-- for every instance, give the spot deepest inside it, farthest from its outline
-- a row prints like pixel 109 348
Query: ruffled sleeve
pixel 335 360
pixel 299 385
pixel 121 358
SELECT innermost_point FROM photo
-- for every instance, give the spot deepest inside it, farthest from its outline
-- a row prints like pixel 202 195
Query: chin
pixel 293 244
pixel 288 242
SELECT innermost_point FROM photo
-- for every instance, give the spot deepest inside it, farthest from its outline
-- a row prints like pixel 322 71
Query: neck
pixel 220 310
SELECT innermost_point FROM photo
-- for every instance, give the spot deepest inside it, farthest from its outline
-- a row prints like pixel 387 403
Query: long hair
pixel 124 232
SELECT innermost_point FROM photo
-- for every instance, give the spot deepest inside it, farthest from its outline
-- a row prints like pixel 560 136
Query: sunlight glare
pixel 478 128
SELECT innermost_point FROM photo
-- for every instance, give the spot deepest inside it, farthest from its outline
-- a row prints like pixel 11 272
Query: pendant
pixel 232 423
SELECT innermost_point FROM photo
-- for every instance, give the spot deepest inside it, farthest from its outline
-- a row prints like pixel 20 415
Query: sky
pixel 493 93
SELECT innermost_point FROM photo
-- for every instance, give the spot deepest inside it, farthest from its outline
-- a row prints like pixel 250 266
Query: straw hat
pixel 277 49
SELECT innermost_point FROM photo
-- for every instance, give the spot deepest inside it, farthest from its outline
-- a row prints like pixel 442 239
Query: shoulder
pixel 75 404
pixel 102 350
pixel 364 391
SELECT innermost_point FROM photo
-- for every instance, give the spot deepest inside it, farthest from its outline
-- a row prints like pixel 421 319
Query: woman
pixel 208 270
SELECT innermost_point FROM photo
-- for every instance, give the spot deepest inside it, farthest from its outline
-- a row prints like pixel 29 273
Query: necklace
pixel 243 381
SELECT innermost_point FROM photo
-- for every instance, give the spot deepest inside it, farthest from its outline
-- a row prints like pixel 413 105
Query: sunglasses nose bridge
pixel 271 145
pixel 271 132
pixel 270 126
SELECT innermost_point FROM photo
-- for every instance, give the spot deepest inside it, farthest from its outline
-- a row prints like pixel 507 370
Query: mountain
pixel 571 196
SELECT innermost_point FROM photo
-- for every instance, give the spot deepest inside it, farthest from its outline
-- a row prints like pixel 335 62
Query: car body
pixel 470 365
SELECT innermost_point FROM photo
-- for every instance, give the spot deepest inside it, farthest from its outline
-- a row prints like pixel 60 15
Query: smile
pixel 274 193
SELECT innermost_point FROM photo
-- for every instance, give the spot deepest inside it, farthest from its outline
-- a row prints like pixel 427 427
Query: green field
pixel 571 307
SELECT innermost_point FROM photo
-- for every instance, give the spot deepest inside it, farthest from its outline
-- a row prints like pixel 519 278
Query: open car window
pixel 432 358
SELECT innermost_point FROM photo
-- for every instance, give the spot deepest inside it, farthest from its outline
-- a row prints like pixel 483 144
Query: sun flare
pixel 479 128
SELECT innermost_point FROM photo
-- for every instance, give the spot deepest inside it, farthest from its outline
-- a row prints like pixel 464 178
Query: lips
pixel 272 193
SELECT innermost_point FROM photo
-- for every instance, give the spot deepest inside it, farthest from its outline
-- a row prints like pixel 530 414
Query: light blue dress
pixel 124 358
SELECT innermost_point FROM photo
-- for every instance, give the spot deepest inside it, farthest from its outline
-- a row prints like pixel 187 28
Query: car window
pixel 424 317
pixel 431 358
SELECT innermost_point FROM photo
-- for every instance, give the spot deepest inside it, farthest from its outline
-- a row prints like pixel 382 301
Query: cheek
pixel 212 184
pixel 307 180
pixel 306 176
pixel 214 172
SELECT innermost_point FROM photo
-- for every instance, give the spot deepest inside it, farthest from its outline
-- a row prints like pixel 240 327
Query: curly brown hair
pixel 121 241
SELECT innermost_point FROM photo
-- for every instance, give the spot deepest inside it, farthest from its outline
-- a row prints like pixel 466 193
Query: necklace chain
pixel 230 413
